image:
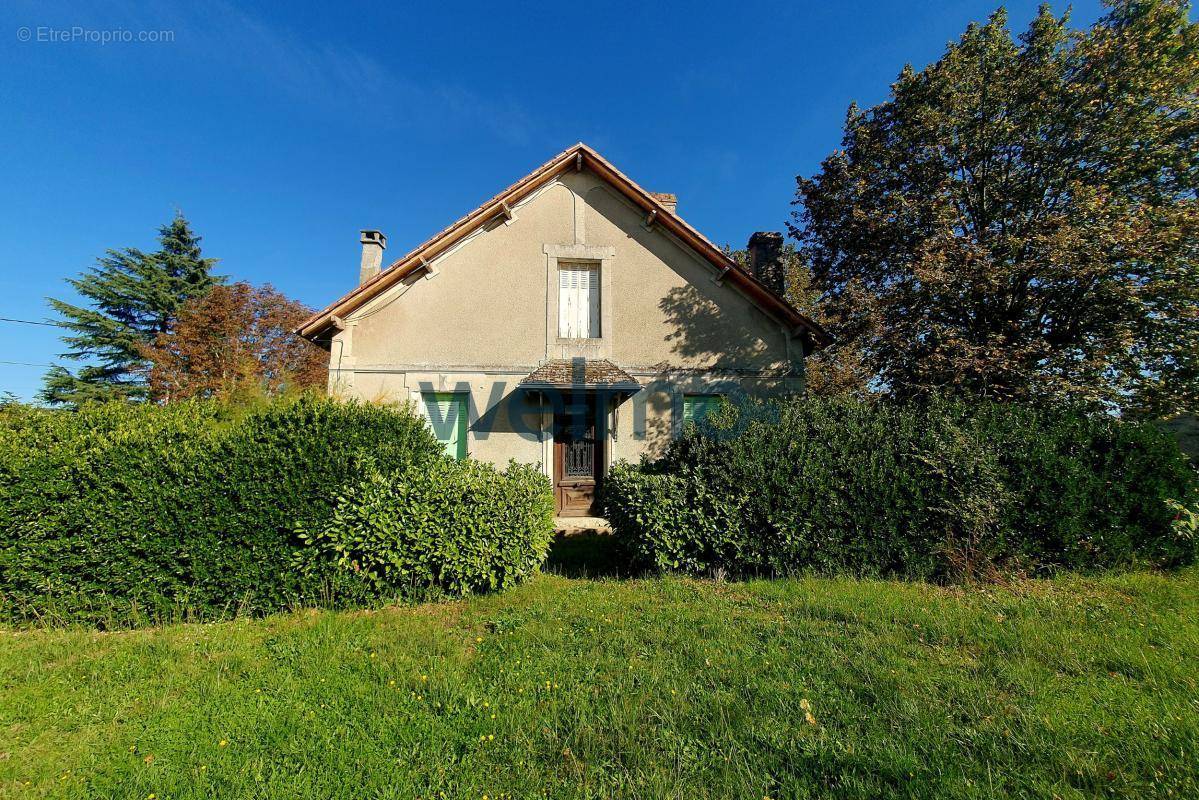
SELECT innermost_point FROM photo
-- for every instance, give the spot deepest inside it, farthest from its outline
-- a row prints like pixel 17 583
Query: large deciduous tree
pixel 1019 219
pixel 235 339
pixel 132 297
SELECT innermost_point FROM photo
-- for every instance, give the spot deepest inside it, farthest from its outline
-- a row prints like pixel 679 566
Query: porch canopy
pixel 580 374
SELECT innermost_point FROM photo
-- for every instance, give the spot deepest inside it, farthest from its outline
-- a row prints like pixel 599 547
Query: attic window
pixel 578 301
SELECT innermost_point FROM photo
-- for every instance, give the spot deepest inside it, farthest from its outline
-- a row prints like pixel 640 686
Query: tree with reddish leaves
pixel 1019 219
pixel 235 340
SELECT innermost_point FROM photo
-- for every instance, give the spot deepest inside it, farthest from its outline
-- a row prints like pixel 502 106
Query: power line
pixel 29 322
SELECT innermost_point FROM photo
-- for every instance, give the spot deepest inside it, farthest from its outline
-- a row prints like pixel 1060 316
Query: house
pixel 571 320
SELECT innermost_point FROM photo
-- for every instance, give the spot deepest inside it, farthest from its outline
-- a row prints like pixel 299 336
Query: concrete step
pixel 569 525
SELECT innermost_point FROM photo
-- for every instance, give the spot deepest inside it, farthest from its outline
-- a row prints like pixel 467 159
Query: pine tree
pixel 134 297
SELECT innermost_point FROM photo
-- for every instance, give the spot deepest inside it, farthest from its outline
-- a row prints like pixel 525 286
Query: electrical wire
pixel 31 322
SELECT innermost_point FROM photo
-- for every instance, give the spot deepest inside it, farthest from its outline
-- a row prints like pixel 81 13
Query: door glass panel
pixel 578 441
pixel 580 458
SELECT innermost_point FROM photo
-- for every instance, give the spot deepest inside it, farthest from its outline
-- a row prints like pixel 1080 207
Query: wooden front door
pixel 578 458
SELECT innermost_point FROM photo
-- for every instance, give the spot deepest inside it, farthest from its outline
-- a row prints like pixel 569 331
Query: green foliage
pixel 118 513
pixel 449 526
pixel 133 297
pixel 837 689
pixel 926 492
pixel 1018 220
pixel 670 523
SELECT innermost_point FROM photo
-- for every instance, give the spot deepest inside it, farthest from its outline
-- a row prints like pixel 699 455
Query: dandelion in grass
pixel 806 706
pixel 223 743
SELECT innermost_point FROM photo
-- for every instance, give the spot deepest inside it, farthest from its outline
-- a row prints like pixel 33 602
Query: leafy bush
pixel 932 492
pixel 448 527
pixel 121 513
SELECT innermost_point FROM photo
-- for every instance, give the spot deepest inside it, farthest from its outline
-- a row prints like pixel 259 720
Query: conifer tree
pixel 133 297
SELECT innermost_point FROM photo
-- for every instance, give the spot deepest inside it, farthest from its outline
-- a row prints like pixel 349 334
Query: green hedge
pixel 119 514
pixel 934 492
pixel 450 527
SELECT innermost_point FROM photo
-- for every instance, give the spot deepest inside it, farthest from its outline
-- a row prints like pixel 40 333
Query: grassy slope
pixel 668 688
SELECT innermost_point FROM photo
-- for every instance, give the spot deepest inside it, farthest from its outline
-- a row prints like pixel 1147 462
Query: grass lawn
pixel 570 687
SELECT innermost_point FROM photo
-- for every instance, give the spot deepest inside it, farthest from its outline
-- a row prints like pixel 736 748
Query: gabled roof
pixel 577 157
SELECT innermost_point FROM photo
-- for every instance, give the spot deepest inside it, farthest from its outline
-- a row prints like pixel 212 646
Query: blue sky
pixel 280 130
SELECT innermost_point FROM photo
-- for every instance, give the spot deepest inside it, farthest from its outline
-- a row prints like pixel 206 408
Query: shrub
pixel 933 492
pixel 120 513
pixel 670 523
pixel 452 527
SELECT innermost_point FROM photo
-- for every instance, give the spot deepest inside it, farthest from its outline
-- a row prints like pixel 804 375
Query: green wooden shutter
pixel 698 406
pixel 446 412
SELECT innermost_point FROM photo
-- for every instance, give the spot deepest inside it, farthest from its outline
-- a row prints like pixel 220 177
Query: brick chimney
pixel 766 260
pixel 373 245
pixel 667 200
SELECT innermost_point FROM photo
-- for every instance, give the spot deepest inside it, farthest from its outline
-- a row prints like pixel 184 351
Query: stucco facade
pixel 481 315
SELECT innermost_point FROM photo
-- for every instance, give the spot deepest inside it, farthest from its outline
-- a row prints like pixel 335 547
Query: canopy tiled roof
pixel 579 372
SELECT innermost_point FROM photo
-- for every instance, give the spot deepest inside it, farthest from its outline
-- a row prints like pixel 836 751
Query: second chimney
pixel 667 200
pixel 766 260
pixel 373 245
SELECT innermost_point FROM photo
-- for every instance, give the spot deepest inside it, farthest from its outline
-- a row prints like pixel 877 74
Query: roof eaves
pixel 404 265
pixel 574 157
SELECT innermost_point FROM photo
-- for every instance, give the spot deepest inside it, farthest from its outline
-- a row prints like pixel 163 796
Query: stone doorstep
pixel 569 525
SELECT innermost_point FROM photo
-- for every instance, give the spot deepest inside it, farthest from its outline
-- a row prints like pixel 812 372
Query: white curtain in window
pixel 578 302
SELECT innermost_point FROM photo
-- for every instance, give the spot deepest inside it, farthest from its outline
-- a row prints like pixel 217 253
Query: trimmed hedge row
pixel 119 514
pixel 451 527
pixel 936 492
